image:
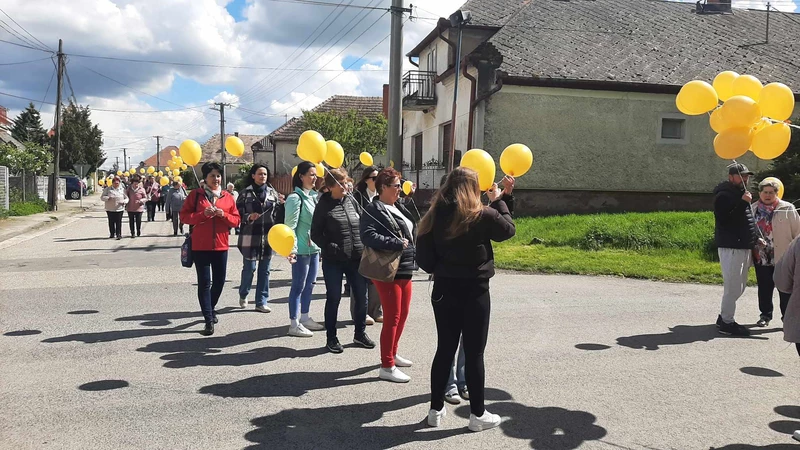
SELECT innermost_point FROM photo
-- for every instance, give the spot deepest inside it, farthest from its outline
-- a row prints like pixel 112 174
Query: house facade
pixel 590 87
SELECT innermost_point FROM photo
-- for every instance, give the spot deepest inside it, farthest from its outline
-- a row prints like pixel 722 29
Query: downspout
pixel 472 102
pixel 412 62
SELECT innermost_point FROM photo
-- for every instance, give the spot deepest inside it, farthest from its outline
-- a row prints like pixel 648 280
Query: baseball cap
pixel 739 169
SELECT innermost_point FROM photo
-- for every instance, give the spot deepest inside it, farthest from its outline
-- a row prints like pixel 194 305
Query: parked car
pixel 75 188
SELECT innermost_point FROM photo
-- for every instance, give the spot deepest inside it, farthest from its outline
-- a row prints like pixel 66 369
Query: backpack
pixel 279 214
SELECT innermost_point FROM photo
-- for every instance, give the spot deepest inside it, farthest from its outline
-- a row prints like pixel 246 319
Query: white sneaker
pixel 243 302
pixel 370 321
pixel 300 331
pixel 393 374
pixel 399 361
pixel 311 325
pixel 264 309
pixel 485 422
pixel 435 417
pixel 453 398
pixel 797 435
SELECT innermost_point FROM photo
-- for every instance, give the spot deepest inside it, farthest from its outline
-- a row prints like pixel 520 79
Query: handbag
pixel 187 258
pixel 380 265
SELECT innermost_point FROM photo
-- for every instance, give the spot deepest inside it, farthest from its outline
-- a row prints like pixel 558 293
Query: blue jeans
pixel 457 378
pixel 304 274
pixel 262 285
pixel 334 271
pixel 210 265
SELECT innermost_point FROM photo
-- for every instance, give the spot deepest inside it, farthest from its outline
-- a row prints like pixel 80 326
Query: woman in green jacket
pixel 300 206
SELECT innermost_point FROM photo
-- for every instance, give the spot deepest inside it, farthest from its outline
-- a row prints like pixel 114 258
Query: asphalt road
pixel 100 349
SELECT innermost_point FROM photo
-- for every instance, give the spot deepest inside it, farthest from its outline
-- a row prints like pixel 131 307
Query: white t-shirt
pixel 396 212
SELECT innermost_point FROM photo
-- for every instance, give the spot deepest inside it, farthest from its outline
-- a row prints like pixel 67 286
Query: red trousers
pixel 396 301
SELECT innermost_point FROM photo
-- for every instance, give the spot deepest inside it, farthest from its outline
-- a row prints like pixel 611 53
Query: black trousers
pixel 135 222
pixel 210 267
pixel 161 201
pixel 766 287
pixel 461 307
pixel 114 223
pixel 151 211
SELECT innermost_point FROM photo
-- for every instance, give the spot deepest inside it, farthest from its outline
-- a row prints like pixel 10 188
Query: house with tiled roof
pixel 590 87
pixel 160 159
pixel 280 146
pixel 212 151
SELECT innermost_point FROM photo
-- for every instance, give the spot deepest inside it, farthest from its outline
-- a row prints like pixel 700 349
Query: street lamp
pixel 458 19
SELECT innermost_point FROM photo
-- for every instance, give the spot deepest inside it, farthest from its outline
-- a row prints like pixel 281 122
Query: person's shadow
pixel 684 334
pixel 245 358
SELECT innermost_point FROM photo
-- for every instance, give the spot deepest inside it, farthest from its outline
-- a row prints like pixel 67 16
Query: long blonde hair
pixel 461 189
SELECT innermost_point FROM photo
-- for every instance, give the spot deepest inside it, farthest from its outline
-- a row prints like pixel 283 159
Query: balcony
pixel 419 90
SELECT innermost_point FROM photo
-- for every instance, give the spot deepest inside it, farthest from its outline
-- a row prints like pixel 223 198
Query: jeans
pixel 374 308
pixel 151 210
pixel 457 379
pixel 461 308
pixel 766 287
pixel 176 220
pixel 114 223
pixel 334 272
pixel 135 222
pixel 396 301
pixel 735 265
pixel 304 274
pixel 262 285
pixel 210 266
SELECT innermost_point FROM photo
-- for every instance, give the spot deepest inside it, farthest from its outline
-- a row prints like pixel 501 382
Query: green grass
pixel 668 246
pixel 27 208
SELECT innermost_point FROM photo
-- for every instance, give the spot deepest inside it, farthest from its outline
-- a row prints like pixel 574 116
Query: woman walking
pixel 212 212
pixel 388 226
pixel 336 230
pixel 175 198
pixel 778 224
pixel 364 194
pixel 787 279
pixel 455 246
pixel 256 206
pixel 137 198
pixel 115 200
pixel 300 206
pixel 153 195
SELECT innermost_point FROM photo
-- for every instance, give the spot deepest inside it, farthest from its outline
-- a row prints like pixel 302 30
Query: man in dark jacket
pixel 735 236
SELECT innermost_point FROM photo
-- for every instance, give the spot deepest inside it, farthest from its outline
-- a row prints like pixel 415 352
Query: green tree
pixel 27 126
pixel 355 133
pixel 787 168
pixel 80 139
pixel 33 159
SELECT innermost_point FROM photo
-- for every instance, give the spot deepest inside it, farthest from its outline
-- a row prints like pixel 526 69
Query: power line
pixel 23 62
pixel 10 30
pixel 55 69
pixel 26 46
pixel 128 111
pixel 319 3
pixel 26 31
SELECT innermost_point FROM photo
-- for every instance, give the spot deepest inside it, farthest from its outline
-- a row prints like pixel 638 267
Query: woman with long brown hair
pixel 455 246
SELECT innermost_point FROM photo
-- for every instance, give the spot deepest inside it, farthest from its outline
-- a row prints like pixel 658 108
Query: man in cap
pixel 735 236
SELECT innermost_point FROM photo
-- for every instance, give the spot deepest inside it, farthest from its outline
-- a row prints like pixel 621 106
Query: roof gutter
pixel 592 85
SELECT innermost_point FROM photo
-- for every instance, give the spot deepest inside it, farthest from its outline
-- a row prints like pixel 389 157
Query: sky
pixel 269 58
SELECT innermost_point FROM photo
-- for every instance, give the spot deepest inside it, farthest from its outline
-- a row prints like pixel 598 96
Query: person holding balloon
pixel 153 190
pixel 137 198
pixel 299 207
pixel 115 200
pixel 779 224
pixel 162 205
pixel 176 196
pixel 212 212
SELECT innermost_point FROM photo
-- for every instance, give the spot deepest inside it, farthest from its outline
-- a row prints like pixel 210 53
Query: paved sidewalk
pixel 16 226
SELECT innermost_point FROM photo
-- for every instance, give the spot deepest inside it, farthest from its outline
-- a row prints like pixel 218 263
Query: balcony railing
pixel 419 90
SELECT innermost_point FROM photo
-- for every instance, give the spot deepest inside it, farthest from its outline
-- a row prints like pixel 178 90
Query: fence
pixel 425 178
pixel 31 187
pixel 4 188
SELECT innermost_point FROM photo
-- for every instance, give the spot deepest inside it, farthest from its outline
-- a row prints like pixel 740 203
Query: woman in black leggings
pixel 455 246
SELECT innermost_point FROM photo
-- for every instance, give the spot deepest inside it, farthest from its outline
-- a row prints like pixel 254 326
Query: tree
pixel 33 159
pixel 80 139
pixel 355 133
pixel 27 126
pixel 787 167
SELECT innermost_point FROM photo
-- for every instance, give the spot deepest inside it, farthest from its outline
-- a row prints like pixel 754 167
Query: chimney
pixel 714 7
pixel 385 100
pixel 236 133
pixel 4 116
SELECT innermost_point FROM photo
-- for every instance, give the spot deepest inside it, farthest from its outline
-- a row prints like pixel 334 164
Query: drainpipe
pixel 472 103
pixel 412 62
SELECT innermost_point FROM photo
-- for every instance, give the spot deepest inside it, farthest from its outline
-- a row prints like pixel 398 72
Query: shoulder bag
pixel 381 265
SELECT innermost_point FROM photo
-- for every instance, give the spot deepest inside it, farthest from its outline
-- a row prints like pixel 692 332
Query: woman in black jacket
pixel 335 229
pixel 455 246
pixel 386 225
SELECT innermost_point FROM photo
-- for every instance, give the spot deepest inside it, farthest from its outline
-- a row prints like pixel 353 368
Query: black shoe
pixel 111 237
pixel 334 346
pixel 733 329
pixel 720 322
pixel 464 393
pixel 119 237
pixel 763 321
pixel 209 329
pixel 364 341
pixel 133 236
pixel 175 234
pixel 139 233
pixel 346 291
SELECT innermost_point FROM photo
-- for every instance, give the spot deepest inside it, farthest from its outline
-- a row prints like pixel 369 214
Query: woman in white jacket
pixel 778 224
pixel 115 199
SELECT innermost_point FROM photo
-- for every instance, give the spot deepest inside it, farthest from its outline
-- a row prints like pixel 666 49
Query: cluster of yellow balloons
pixel 312 147
pixel 515 161
pixel 751 116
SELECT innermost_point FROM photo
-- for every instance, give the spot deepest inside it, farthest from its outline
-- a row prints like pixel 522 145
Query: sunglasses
pixel 396 186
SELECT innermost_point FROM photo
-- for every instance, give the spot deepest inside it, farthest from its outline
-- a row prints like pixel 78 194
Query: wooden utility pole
pixel 222 137
pixel 56 169
pixel 158 153
pixel 125 158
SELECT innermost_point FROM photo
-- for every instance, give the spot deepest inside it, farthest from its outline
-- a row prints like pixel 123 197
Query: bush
pixel 28 208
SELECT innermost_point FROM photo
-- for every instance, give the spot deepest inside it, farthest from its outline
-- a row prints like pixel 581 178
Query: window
pixel 672 128
pixel 432 60
pixel 416 148
pixel 446 140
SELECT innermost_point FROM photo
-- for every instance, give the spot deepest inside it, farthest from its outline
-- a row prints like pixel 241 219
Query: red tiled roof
pixel 364 106
pixel 166 155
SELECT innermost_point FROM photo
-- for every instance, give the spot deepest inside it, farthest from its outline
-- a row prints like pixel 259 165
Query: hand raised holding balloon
pixel 508 184
pixel 494 193
pixel 405 243
pixel 748 197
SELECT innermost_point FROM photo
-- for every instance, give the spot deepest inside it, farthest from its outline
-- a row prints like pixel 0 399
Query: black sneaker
pixel 733 329
pixel 720 322
pixel 334 346
pixel 464 393
pixel 364 341
pixel 209 330
pixel 763 321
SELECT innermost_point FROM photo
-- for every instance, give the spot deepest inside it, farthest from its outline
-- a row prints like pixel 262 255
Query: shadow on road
pixel 760 372
pixel 793 412
pixel 757 447
pixel 22 333
pixel 104 385
pixel 684 334
pixel 246 358
pixel 111 336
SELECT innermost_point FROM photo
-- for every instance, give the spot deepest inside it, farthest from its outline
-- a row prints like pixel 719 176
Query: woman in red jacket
pixel 212 210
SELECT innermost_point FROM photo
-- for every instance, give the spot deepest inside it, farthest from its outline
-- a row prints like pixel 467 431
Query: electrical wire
pixel 23 62
pixel 26 46
pixel 44 46
pixel 216 66
pixel 55 69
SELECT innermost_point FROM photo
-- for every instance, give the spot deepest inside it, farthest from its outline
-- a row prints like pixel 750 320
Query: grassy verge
pixel 670 246
pixel 27 208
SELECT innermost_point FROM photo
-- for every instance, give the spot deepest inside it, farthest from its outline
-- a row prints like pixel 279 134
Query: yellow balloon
pixel 178 161
pixel 173 152
pixel 176 172
pixel 142 171
pixel 760 125
pixel 119 172
pixel 163 181
pixel 777 101
pixel 294 170
pixel 281 239
pixel 696 97
pixel 109 182
pixel 481 162
pixel 407 186
pixel 127 174
pixel 723 84
pixel 191 152
pixel 732 143
pixel 184 166
pixel 151 170
pixel 516 160
pixel 772 141
pixel 334 155
pixel 311 147
pixel 740 112
pixel 320 171
pixel 178 179
pixel 365 158
pixel 781 190
pixel 717 122
pixel 160 173
pixel 234 146
pixel 747 85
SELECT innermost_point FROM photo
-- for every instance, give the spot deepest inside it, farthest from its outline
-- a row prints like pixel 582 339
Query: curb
pixel 59 217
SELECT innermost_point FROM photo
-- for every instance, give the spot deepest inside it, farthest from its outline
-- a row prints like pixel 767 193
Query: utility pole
pixel 117 163
pixel 56 168
pixel 457 19
pixel 158 153
pixel 767 38
pixel 394 140
pixel 222 135
pixel 125 158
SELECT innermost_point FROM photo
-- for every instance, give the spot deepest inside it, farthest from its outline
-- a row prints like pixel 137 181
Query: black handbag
pixel 187 258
